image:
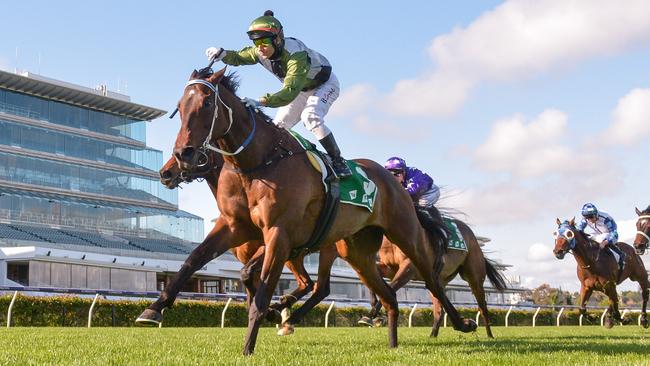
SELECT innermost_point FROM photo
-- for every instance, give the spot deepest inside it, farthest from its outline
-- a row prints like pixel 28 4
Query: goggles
pixel 263 42
pixel 397 173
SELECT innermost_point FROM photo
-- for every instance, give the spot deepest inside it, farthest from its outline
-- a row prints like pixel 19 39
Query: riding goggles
pixel 263 42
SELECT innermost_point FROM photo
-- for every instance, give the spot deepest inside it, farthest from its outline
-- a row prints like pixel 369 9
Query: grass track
pixel 318 346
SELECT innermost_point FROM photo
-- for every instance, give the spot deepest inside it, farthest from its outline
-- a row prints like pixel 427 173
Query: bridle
pixel 639 232
pixel 207 144
pixel 569 235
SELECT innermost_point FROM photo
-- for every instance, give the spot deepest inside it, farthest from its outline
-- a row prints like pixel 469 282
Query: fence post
pixel 507 315
pixel 557 321
pixel 623 315
pixel 478 314
pixel 535 316
pixel 411 314
pixel 444 320
pixel 13 300
pixel 223 312
pixel 90 312
pixel 580 319
pixel 602 317
pixel 162 312
pixel 327 314
pixel 639 319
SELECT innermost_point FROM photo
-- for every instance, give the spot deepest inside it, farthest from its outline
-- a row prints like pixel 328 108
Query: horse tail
pixel 432 222
pixel 495 276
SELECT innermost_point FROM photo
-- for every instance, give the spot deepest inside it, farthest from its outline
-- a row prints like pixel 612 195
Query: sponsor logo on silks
pixel 325 98
pixel 353 195
pixel 369 188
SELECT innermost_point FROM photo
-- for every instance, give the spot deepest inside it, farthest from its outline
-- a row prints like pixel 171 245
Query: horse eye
pixel 207 103
pixel 569 234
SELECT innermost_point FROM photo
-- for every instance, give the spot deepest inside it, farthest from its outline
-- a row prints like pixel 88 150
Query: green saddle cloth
pixel 456 240
pixel 356 190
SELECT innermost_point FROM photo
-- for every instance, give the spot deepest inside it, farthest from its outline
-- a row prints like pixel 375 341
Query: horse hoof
pixel 609 324
pixel 625 321
pixel 469 325
pixel 287 329
pixel 149 317
pixel 365 321
pixel 645 323
pixel 378 322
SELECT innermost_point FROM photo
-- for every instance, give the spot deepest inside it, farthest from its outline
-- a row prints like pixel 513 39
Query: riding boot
pixel 621 257
pixel 341 168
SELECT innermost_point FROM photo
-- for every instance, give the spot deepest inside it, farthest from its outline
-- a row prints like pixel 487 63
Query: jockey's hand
pixel 603 244
pixel 215 53
pixel 252 103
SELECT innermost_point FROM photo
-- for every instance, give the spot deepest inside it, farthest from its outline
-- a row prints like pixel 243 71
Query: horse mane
pixel 584 236
pixel 646 211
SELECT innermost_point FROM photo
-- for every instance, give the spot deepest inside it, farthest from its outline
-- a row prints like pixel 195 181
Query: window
pixel 210 286
pixel 18 272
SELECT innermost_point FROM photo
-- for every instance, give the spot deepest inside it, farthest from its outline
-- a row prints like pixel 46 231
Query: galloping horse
pixel 268 191
pixel 470 264
pixel 251 253
pixel 599 271
pixel 642 238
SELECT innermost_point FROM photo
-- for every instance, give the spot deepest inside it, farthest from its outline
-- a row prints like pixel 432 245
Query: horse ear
pixel 638 213
pixel 194 75
pixel 573 221
pixel 557 221
pixel 216 77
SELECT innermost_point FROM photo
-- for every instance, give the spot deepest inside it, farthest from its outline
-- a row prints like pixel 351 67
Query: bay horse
pixel 251 253
pixel 600 272
pixel 642 238
pixel 470 264
pixel 269 191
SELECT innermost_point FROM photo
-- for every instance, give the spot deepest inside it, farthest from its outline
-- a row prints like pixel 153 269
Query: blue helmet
pixel 395 163
pixel 589 210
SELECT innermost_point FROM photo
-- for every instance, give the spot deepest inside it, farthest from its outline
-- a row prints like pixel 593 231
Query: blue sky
pixel 521 110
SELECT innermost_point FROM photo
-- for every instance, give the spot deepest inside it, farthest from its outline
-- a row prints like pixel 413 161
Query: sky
pixel 521 110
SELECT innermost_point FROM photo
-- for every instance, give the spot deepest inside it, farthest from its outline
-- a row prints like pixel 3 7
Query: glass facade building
pixel 77 157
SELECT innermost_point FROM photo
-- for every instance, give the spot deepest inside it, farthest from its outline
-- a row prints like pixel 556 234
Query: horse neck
pixel 583 252
pixel 264 138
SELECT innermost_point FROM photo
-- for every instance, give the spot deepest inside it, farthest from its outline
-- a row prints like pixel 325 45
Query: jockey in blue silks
pixel 604 230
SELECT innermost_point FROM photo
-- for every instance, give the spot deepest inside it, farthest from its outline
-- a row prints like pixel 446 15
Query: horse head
pixel 200 115
pixel 565 237
pixel 642 238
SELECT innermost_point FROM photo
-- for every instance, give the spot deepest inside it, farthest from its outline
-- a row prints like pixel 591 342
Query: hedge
pixel 72 311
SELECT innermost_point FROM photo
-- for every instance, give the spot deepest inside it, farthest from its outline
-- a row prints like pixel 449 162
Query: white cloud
pixel 517 40
pixel 353 100
pixel 543 171
pixel 4 64
pixel 631 118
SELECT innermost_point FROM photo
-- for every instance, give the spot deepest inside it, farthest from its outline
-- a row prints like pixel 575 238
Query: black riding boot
pixel 338 163
pixel 621 257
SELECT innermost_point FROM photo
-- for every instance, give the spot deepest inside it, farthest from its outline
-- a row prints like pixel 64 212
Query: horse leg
pixel 276 253
pixel 610 291
pixel 326 260
pixel 250 275
pixel 217 242
pixel 644 294
pixel 360 251
pixel 423 251
pixel 475 277
pixel 585 294
pixel 438 313
pixel 305 284
pixel 375 304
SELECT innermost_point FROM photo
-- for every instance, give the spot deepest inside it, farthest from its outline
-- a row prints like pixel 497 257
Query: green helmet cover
pixel 264 27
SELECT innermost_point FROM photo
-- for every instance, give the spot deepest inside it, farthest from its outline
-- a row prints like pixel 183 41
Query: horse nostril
pixel 165 174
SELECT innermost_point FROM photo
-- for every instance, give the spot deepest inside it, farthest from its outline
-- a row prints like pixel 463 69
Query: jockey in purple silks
pixel 418 184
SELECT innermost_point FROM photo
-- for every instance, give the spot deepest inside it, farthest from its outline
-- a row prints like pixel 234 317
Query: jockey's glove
pixel 252 103
pixel 215 53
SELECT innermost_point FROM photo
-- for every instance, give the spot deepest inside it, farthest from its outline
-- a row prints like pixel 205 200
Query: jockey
pixel 309 86
pixel 604 228
pixel 419 185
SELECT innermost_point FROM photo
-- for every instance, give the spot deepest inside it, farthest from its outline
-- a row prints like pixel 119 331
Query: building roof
pixel 101 99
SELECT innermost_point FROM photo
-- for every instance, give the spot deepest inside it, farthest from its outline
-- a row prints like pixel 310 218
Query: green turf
pixel 514 346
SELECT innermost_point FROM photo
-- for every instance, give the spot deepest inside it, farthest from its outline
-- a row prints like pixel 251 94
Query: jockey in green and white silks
pixel 309 86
